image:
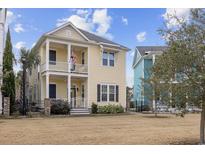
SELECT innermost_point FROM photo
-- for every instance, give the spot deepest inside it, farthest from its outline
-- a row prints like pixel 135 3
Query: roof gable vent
pixel 69 33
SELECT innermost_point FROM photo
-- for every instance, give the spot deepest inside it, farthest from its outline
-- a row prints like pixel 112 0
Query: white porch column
pixel 47 85
pixel 68 87
pixel 41 90
pixel 154 102
pixel 68 56
pixel 88 79
pixel 47 54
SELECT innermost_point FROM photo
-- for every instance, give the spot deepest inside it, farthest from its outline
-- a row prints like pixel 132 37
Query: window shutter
pixel 117 93
pixel 98 93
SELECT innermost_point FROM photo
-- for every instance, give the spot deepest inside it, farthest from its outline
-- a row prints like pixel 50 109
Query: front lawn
pixel 122 129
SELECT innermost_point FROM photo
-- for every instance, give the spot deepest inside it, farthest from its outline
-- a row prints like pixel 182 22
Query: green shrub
pixel 119 109
pixel 60 107
pixel 94 108
pixel 110 109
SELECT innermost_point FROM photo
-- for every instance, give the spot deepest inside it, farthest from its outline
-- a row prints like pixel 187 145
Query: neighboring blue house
pixel 144 59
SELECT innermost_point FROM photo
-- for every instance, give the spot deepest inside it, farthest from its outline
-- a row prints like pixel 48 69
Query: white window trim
pixel 108 58
pixel 108 92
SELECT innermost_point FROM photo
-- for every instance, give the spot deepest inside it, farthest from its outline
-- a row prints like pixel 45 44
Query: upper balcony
pixel 63 67
pixel 64 58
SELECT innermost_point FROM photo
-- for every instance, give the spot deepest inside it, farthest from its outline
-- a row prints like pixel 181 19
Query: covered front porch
pixel 65 87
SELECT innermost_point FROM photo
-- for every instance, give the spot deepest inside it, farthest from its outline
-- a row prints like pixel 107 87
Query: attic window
pixel 69 34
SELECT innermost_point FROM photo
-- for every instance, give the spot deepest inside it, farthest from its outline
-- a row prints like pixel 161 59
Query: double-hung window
pixel 107 92
pixel 112 93
pixel 111 59
pixel 108 58
pixel 104 93
pixel 105 59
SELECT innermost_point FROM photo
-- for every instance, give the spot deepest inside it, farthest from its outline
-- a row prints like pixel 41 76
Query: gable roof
pixel 90 37
pixel 65 25
pixel 99 39
pixel 143 49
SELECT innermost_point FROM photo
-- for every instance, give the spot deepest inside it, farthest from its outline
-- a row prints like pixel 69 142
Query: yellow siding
pixel 43 54
pixel 98 73
pixel 61 52
pixel 104 74
pixel 65 33
pixel 61 87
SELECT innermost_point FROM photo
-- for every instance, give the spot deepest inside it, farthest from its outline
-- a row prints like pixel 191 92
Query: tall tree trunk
pixel 202 125
pixel 155 108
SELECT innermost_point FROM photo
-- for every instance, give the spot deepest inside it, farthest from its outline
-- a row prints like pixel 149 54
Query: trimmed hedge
pixel 60 107
pixel 110 109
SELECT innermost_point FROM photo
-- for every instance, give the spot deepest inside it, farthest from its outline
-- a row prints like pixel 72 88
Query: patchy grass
pixel 124 129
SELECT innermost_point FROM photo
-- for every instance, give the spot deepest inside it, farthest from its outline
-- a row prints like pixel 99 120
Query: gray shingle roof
pixel 98 39
pixel 143 49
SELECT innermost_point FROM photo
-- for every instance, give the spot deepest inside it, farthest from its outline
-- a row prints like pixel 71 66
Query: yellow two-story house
pixel 79 67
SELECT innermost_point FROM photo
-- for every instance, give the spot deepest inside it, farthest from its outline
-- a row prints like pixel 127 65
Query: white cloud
pixel 141 36
pixel 182 14
pixel 82 12
pixel 18 28
pixel 19 45
pixel 103 20
pixel 80 22
pixel 124 20
pixel 96 21
pixel 11 17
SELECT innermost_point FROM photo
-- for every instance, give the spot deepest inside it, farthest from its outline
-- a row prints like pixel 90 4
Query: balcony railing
pixel 58 66
pixel 63 66
pixel 78 68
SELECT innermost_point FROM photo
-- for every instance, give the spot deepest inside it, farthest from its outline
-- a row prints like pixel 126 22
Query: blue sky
pixel 130 27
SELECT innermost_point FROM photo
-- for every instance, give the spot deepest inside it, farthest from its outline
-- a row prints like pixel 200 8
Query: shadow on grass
pixel 156 117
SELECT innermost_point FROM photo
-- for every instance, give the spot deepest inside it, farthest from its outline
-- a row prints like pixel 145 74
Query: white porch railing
pixel 63 66
pixel 78 68
pixel 58 66
pixel 78 102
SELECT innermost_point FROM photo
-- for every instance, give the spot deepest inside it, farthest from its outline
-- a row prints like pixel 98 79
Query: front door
pixel 52 91
pixel 73 97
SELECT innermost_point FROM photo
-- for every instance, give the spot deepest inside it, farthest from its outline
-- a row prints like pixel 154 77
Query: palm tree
pixel 28 59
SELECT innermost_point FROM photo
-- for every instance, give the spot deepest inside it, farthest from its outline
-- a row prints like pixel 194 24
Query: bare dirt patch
pixel 125 129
